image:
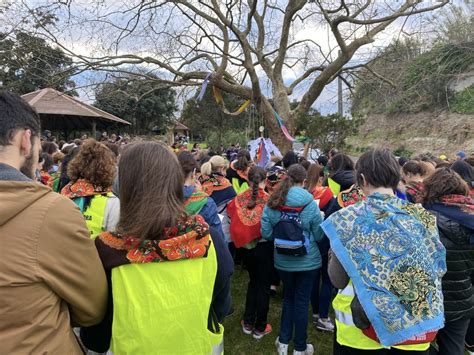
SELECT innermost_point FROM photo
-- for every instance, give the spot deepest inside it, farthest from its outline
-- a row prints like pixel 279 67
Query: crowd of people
pixel 131 248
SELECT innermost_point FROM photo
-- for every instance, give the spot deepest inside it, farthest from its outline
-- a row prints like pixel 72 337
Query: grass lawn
pixel 236 342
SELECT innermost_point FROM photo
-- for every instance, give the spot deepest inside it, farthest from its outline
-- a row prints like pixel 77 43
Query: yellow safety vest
pixel 95 213
pixel 348 334
pixel 334 186
pixel 238 188
pixel 163 308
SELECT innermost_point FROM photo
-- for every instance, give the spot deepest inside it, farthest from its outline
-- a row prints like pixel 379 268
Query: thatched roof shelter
pixel 61 112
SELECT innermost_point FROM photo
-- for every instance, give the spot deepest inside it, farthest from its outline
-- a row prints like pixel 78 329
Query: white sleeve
pixel 112 214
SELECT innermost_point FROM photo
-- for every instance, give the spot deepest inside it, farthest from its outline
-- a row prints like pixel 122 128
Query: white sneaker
pixel 325 324
pixel 282 349
pixel 309 350
pixel 315 318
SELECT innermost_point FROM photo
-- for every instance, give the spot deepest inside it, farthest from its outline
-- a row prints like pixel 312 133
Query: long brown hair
pixel 256 176
pixel 443 182
pixel 151 190
pixel 296 175
pixel 315 172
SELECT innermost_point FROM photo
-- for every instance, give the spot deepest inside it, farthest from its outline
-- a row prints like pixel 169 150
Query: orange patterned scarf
pixel 189 239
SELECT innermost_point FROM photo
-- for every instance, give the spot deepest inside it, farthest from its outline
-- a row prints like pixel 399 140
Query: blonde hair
pixel 213 164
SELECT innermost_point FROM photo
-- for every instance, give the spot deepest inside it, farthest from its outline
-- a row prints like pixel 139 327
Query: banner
pixel 283 127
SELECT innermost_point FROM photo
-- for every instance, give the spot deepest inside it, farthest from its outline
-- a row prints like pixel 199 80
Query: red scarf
pixel 245 223
pixel 464 203
pixel 323 194
pixel 415 190
pixel 214 182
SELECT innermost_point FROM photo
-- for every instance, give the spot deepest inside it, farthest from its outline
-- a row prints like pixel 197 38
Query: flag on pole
pixel 262 154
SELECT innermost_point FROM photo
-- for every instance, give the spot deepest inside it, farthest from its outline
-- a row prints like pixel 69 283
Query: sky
pixel 84 39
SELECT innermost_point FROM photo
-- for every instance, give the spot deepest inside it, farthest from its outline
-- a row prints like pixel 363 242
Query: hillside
pixel 438 133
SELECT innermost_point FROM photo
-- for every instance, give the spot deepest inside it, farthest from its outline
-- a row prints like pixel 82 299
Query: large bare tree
pixel 256 49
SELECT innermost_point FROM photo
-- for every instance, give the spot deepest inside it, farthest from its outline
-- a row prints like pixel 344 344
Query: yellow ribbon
pixel 220 101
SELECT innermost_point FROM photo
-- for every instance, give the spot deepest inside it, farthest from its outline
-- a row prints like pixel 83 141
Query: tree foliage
pixel 28 63
pixel 139 102
pixel 407 77
pixel 326 132
pixel 415 82
pixel 208 119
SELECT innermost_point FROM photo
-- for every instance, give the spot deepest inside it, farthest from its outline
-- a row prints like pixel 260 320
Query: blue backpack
pixel 288 233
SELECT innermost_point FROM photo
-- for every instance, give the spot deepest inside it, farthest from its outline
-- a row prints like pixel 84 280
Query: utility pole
pixel 339 94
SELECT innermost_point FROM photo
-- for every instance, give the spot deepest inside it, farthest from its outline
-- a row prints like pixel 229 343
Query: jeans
pixel 321 292
pixel 470 336
pixel 450 339
pixel 294 315
pixel 259 265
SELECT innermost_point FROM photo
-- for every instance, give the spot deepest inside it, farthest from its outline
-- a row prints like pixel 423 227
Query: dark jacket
pixel 458 290
pixel 345 178
pixel 223 197
pixel 232 175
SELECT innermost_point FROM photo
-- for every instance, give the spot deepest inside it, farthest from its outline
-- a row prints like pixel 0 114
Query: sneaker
pixel 257 334
pixel 282 349
pixel 273 290
pixel 325 324
pixel 309 350
pixel 246 328
pixel 315 318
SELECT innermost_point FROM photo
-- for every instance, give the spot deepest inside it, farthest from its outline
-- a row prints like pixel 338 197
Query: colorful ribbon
pixel 204 86
pixel 283 127
pixel 220 101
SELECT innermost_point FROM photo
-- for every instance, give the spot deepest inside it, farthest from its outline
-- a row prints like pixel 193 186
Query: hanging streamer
pixel 220 101
pixel 283 127
pixel 204 86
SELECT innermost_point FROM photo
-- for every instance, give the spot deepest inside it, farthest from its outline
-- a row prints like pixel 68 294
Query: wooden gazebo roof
pixel 180 126
pixel 59 111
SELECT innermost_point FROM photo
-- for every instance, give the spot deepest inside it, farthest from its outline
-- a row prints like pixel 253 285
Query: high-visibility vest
pixel 239 188
pixel 163 308
pixel 94 213
pixel 334 186
pixel 348 334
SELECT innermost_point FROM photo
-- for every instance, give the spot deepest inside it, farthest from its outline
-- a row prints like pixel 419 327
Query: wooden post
pixel 94 129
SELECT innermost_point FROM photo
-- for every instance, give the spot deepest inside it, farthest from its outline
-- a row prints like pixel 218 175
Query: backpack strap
pixel 293 209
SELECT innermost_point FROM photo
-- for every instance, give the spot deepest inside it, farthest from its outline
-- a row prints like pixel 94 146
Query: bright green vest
pixel 348 334
pixel 163 308
pixel 94 214
pixel 239 188
pixel 334 186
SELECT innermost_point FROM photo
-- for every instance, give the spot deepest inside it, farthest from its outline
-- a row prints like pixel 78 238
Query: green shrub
pixel 463 101
pixel 403 152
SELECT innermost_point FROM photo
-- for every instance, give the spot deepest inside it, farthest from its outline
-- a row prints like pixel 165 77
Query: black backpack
pixel 289 236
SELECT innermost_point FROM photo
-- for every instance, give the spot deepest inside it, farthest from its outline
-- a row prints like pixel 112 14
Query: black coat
pixel 457 283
